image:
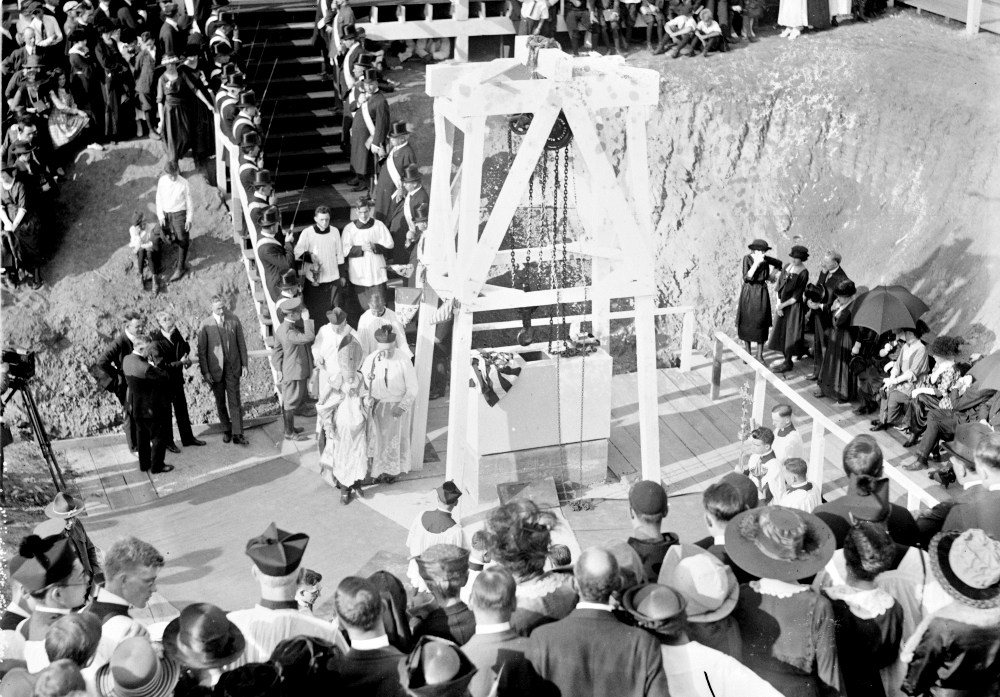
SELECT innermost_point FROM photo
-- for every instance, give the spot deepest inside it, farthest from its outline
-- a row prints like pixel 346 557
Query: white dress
pixel 324 351
pixel 793 13
pixel 344 418
pixel 840 7
pixel 390 382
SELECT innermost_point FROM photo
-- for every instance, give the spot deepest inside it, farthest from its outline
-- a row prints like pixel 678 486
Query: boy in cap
pixel 647 503
pixel 292 359
pixel 321 251
pixel 277 557
pixel 434 527
pixel 366 242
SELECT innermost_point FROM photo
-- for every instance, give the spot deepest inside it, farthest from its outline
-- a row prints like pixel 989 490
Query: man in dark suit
pixel 222 358
pixel 175 350
pixel 589 652
pixel 975 405
pixel 370 668
pixel 172 39
pixel 830 276
pixel 963 463
pixel 983 509
pixel 404 230
pixel 148 402
pixel 63 514
pixel 496 648
pixel 112 363
pixel 275 258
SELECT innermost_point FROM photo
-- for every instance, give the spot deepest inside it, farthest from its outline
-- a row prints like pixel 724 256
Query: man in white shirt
pixel 799 492
pixel 787 441
pixel 174 209
pixel 366 243
pixel 277 557
pixel 319 247
pixel 763 466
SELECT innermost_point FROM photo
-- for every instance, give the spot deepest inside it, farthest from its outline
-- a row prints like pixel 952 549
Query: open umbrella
pixel 987 372
pixel 884 309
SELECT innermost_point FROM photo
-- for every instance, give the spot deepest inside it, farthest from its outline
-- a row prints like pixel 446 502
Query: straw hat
pixel 136 671
pixel 780 543
pixel 967 565
pixel 708 586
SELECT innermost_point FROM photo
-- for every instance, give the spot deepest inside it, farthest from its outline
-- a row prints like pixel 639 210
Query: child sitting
pixel 799 493
pixel 680 30
pixel 146 241
pixel 709 33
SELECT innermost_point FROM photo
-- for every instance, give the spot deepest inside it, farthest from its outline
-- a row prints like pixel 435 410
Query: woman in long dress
pixel 344 416
pixel 22 248
pixel 835 378
pixel 793 15
pixel 790 325
pixel 175 93
pixel 391 381
pixel 114 87
pixel 753 315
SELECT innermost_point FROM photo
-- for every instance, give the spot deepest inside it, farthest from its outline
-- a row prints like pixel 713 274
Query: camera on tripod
pixel 21 365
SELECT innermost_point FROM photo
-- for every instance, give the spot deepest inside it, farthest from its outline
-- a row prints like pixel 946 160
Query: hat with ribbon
pixel 64 506
pixel 203 637
pixel 43 562
pixel 411 173
pixel 653 605
pixel 448 493
pixel 399 129
pixel 780 543
pixel 648 498
pixel 967 564
pixel 384 336
pixel 135 670
pixel 436 668
pixel 709 587
pixel 799 252
pixel 276 552
pixel 420 214
pixel 758 245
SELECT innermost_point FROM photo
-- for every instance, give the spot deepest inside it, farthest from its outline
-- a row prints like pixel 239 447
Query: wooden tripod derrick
pixel 613 213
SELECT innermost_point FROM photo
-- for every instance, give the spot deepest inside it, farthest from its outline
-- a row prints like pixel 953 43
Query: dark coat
pixel 218 347
pixel 590 652
pixel 85 88
pixel 170 41
pixel 981 510
pixel 112 362
pixel 173 351
pixel 902 528
pixel 292 353
pixel 148 389
pixel 275 260
pixel 370 673
pixel 361 156
pixel 952 654
pixel 507 651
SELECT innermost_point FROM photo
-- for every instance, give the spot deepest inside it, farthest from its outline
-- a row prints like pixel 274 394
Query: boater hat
pixel 276 552
pixel 758 244
pixel 780 543
pixel 136 671
pixel 32 61
pixel 170 59
pixel 203 637
pixel 411 173
pixel 967 564
pixel 399 129
pixel 64 506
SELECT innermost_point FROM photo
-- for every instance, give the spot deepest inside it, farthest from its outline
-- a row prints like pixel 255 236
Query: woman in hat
pixel 391 381
pixel 66 121
pixel 956 650
pixel 389 191
pixel 753 315
pixel 787 628
pixel 345 419
pixel 790 324
pixel 692 669
pixel 935 389
pixel 175 92
pixel 22 244
pixel 835 378
pixel 905 373
pixel 869 621
pixel 115 75
pixel 202 641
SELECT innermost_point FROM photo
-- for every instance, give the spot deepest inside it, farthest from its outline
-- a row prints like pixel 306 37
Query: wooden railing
pixel 821 424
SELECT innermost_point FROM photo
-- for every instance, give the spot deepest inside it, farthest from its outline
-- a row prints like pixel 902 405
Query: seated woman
pixel 905 373
pixel 877 351
pixel 934 391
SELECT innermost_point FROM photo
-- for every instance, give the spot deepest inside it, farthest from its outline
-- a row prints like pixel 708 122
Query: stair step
pixel 315 150
pixel 308 114
pixel 323 131
pixel 300 60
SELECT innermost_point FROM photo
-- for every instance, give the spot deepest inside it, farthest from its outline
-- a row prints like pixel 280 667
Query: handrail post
pixel 972 16
pixel 817 455
pixel 687 341
pixel 220 155
pixel 759 397
pixel 717 369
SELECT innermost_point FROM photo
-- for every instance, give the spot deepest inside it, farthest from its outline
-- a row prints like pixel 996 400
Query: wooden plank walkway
pixel 957 10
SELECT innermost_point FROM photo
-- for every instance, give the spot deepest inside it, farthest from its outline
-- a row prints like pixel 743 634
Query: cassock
pixel 371 122
pixel 391 382
pixel 822 319
pixel 436 527
pixel 370 323
pixel 267 624
pixel 390 182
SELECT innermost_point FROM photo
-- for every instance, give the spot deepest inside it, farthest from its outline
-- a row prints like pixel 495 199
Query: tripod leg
pixel 44 444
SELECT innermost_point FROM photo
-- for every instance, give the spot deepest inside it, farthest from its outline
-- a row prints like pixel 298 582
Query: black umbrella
pixel 987 372
pixel 884 309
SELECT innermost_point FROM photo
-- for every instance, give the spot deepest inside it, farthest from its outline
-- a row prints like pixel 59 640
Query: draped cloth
pixel 495 373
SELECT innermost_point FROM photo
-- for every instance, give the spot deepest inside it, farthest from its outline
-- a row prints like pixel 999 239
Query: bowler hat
pixel 385 336
pixel 799 252
pixel 64 506
pixel 262 177
pixel 758 244
pixel 203 637
pixel 420 214
pixel 816 293
pixel 648 498
pixel 270 216
pixel 276 552
pixel 399 129
pixel 135 670
pixel 448 493
pixel 653 604
pixel 411 173
pixel 709 587
pixel 967 565
pixel 779 542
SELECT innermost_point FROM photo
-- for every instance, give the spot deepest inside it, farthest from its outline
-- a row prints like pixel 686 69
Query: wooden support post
pixel 236 202
pixel 759 396
pixel 600 294
pixel 717 369
pixel 817 455
pixel 687 341
pixel 220 155
pixel 461 11
pixel 458 401
pixel 469 197
pixel 972 17
pixel 425 364
pixel 649 422
pixel 441 245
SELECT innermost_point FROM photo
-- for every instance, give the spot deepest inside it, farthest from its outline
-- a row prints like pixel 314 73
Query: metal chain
pixel 565 216
pixel 526 281
pixel 583 381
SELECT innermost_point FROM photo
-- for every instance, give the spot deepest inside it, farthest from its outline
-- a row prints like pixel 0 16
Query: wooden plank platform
pixel 958 10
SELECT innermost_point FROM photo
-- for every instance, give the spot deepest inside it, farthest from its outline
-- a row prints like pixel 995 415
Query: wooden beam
pixel 817 455
pixel 438 29
pixel 446 108
pixel 584 248
pixel 510 197
pixel 439 211
pixel 973 16
pixel 637 155
pixel 458 401
pixel 649 422
pixel 424 365
pixel 520 96
pixel 460 15
pixel 441 78
pixel 499 298
pixel 220 154
pixel 469 196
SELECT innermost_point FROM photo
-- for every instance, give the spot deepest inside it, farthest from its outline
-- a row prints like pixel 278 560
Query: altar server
pixel 436 527
pixel 366 243
pixel 391 381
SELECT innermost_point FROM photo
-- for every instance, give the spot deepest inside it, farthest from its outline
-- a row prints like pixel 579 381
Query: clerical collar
pixel 492 628
pixel 804 486
pixel 445 511
pixel 370 644
pixel 278 604
pixel 323 231
pixel 782 432
pixel 364 226
pixel 106 596
pixel 768 456
pixel 584 605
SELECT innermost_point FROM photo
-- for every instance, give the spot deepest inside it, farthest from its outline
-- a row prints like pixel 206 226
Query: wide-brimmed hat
pixel 420 213
pixel 448 493
pixel 967 564
pixel 816 293
pixel 192 50
pixel 653 604
pixel 436 668
pixel 169 59
pixel 780 543
pixel 799 252
pixel 22 147
pixel 966 440
pixel 708 586
pixel 136 671
pixel 411 173
pixel 758 244
pixel 946 346
pixel 276 552
pixel 64 506
pixel 203 637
